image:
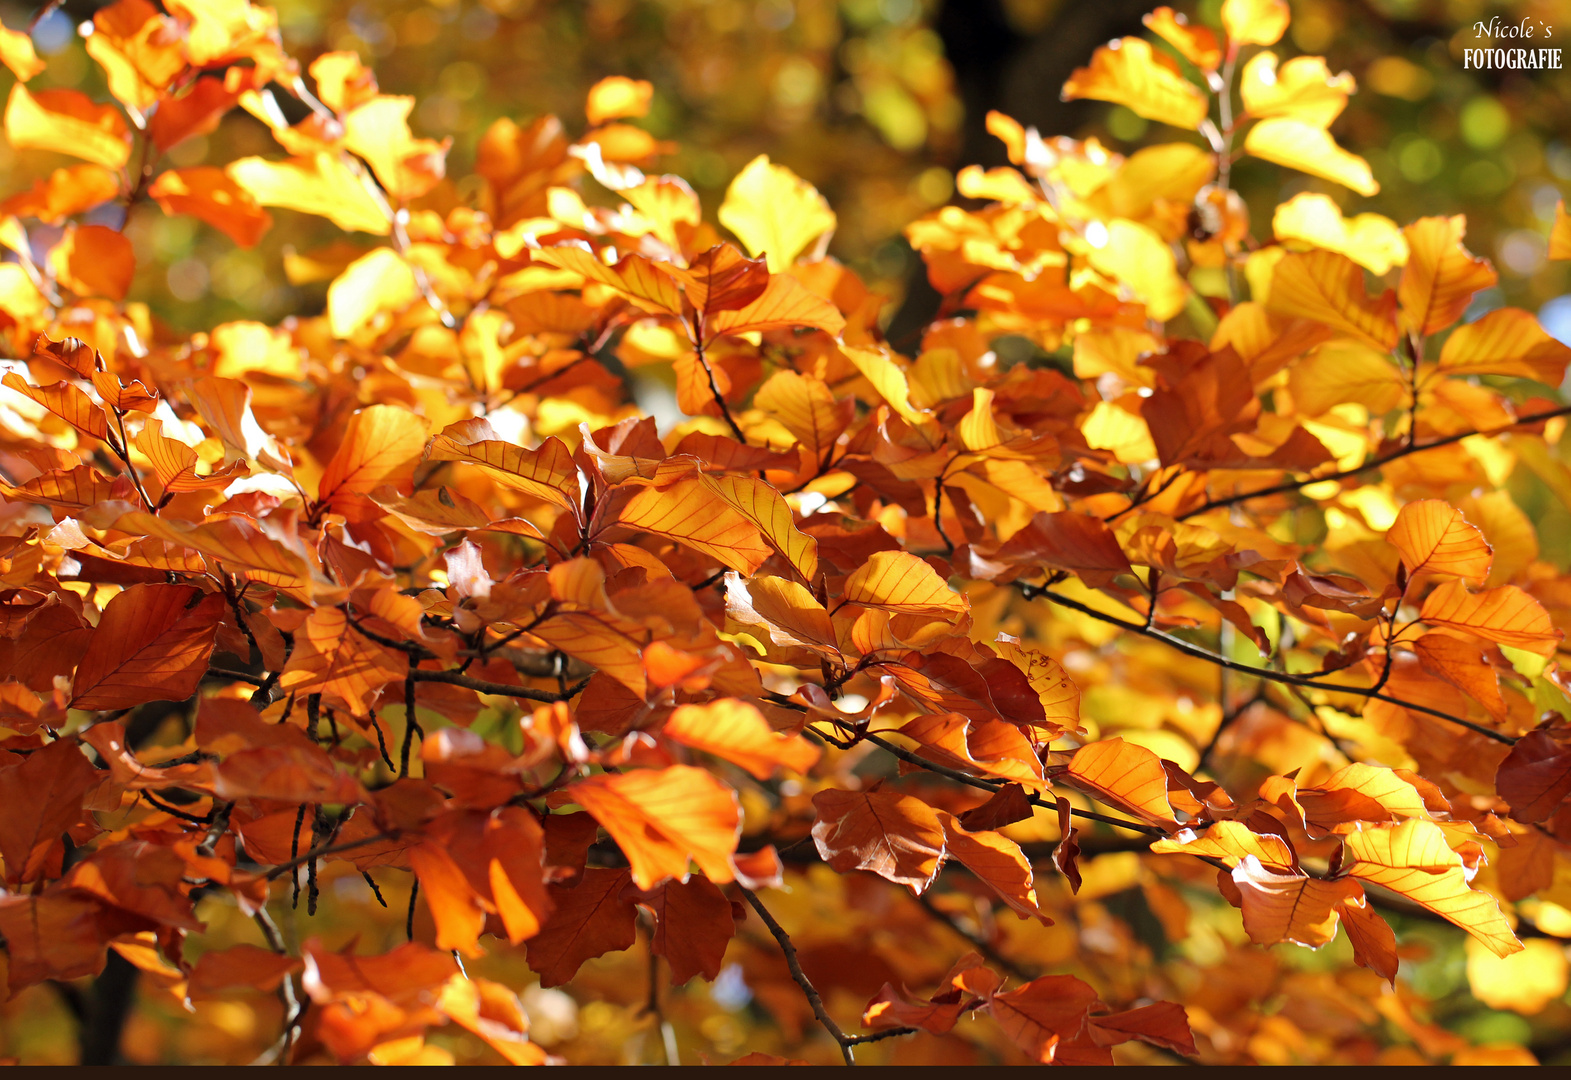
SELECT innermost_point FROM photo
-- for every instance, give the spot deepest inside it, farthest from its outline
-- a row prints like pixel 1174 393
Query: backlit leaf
pixel 775 213
pixel 662 818
pixel 897 837
pixel 1129 72
pixel 152 644
pixel 738 732
pixel 1433 537
pixel 1505 615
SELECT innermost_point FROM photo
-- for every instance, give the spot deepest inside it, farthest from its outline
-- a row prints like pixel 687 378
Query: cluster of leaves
pixel 931 623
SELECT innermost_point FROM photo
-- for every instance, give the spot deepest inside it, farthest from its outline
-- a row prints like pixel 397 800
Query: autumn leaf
pixel 1125 775
pixel 1329 288
pixel 900 582
pixel 997 862
pixel 1289 907
pixel 1255 22
pixel 546 472
pixel 1441 275
pixel 897 837
pixel 1434 537
pixel 1505 342
pixel 1129 72
pixel 775 213
pixel 588 920
pixel 317 184
pixel 1413 860
pixel 1535 776
pixel 662 818
pixel 67 122
pixel 1043 1013
pixel 210 195
pixel 693 925
pixel 152 643
pixel 738 732
pixel 45 791
pixel 1307 148
pixel 696 513
pixel 1505 615
pixel 379 448
pixel 1233 842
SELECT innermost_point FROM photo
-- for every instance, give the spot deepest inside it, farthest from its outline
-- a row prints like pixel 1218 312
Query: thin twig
pixel 1032 592
pixel 453 678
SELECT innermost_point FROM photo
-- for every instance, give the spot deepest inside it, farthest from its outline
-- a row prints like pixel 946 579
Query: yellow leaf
pixel 1413 860
pixel 1505 342
pixel 788 611
pixel 806 407
pixel 1523 982
pixel 1328 288
pixel 1232 842
pixel 175 462
pixel 1303 89
pixel 1434 537
pixel 1309 149
pixel 1057 692
pixel 1346 371
pixel 67 122
pixel 379 132
pixel 1197 44
pixel 774 212
pixel 378 281
pixel 899 581
pixel 1372 241
pixel 320 184
pixel 634 276
pixel 1505 615
pixel 877 365
pixel 1137 256
pixel 616 97
pixel 16 52
pixel 1255 22
pixel 738 732
pixel 662 818
pixel 1131 73
pixel 1441 275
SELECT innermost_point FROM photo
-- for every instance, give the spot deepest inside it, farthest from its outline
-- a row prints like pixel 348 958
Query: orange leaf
pixel 1044 1013
pixel 175 462
pixel 44 792
pixel 977 745
pixel 1413 860
pixel 767 509
pixel 234 542
pixel 1560 235
pixel 790 614
pixel 456 908
pixel 806 408
pixel 1129 72
pixel 720 279
pixel 1505 342
pixel 65 192
pixel 1161 1023
pixel 65 401
pixel 1434 537
pixel 380 447
pixel 1328 288
pixel 998 863
pixel 897 837
pixel 662 818
pixel 92 260
pixel 1360 793
pixel 244 967
pixel 1124 775
pixel 1079 543
pixel 633 276
pixel 695 513
pixel 899 581
pixel 210 195
pixel 784 304
pixel 590 919
pixel 1374 944
pixel 546 472
pixel 1289 907
pixel 738 732
pixel 1441 275
pixel 151 644
pixel 1505 615
pixel 1535 776
pixel 331 659
pixel 67 122
pixel 494 1013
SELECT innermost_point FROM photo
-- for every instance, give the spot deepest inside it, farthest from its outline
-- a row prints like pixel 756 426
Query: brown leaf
pixel 44 792
pixel 897 837
pixel 588 920
pixel 1535 776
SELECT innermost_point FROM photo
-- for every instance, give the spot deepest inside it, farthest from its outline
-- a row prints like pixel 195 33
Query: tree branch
pixel 1032 592
pixel 846 1042
pixel 1373 463
pixel 453 678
